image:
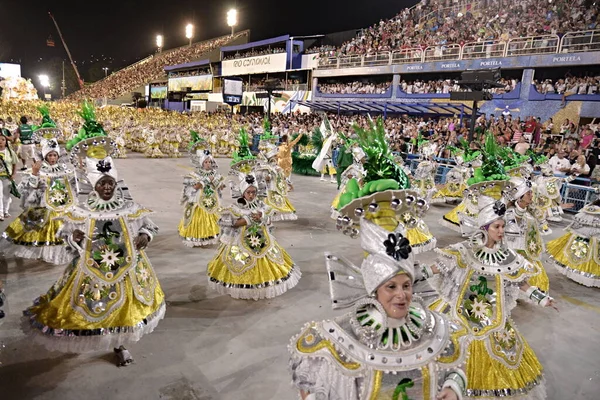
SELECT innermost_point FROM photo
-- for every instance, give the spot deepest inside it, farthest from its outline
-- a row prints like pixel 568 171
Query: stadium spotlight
pixel 189 32
pixel 232 19
pixel 44 80
pixel 159 42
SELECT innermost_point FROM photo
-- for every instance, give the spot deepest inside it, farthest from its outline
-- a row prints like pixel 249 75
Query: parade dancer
pixel 479 281
pixel 373 351
pixel 250 264
pixel 523 233
pixel 109 295
pixel 201 197
pixel 46 193
pixel 576 254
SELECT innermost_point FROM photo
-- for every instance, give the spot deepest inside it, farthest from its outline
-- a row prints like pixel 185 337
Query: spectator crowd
pixel 356 87
pixel 442 23
pixel 152 68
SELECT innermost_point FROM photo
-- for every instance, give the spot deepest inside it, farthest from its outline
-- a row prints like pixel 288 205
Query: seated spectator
pixel 559 164
pixel 522 146
pixel 580 166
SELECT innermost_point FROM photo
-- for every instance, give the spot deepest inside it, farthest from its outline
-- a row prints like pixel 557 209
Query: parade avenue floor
pixel 213 347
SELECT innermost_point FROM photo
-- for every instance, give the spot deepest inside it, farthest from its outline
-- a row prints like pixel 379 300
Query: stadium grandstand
pixel 135 77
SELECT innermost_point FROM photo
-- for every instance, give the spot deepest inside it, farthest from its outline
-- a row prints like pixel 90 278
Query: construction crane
pixel 68 52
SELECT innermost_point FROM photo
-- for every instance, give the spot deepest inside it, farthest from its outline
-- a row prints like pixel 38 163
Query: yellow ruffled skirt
pixel 35 227
pixel 421 240
pixel 284 210
pixel 577 258
pixel 489 378
pixel 448 192
pixel 266 279
pixel 540 280
pixel 199 227
pixel 32 235
pixel 450 219
pixel 65 328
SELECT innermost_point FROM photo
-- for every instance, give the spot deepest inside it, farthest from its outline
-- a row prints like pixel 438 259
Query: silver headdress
pixel 517 188
pixel 406 206
pixel 389 254
pixel 490 210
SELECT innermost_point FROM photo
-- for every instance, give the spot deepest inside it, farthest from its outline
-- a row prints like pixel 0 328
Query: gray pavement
pixel 213 347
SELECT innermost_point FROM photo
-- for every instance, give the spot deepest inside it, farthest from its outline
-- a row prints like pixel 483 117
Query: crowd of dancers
pixel 453 342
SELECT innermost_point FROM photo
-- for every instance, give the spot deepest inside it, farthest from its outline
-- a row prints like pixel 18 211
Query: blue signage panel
pixel 535 61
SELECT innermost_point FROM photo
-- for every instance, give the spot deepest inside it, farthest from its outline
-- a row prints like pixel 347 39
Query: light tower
pixel 232 19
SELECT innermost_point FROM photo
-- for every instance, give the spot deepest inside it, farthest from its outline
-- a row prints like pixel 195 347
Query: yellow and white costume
pixel 44 198
pixel 523 233
pixel 109 294
pixel 479 287
pixel 199 225
pixel 576 254
pixel 365 354
pixel 250 264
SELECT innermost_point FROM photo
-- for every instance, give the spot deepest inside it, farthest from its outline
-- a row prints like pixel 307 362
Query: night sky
pixel 125 30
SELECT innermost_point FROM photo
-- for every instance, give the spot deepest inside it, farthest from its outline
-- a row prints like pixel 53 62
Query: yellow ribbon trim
pixel 326 344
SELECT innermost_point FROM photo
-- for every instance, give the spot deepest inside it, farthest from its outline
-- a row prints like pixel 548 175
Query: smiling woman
pixel 390 345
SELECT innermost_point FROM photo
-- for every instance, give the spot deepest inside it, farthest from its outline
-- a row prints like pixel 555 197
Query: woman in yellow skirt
pixel 276 190
pixel 201 198
pixel 250 264
pixel 576 254
pixel 109 295
pixel 479 281
pixel 46 193
pixel 523 233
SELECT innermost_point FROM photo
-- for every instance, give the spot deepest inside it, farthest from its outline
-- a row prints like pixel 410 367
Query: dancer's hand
pixel 141 242
pixel 257 216
pixel 78 235
pixel 552 303
pixel 35 168
pixel 447 394
pixel 198 186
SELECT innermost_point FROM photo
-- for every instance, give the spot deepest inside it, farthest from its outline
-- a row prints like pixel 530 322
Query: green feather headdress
pixel 243 153
pixel 47 122
pixel 538 159
pixel 91 128
pixel 382 172
pixel 196 141
pixel 491 168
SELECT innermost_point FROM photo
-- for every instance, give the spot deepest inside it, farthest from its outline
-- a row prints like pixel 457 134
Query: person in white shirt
pixel 559 164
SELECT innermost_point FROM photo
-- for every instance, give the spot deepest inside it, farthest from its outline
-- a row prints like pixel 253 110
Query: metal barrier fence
pixel 571 42
pixel 578 195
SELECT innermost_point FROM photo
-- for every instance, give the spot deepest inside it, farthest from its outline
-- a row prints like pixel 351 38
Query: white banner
pixel 310 61
pixel 255 65
pixel 10 70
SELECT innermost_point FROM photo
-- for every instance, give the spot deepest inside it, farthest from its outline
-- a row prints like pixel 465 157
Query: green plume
pixel 243 153
pixel 380 161
pixel 492 168
pixel 317 139
pixel 537 158
pixel 47 122
pixel 196 140
pixel 91 128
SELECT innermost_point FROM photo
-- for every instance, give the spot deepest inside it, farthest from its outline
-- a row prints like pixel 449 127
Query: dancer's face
pixel 526 199
pixel 395 296
pixel 207 164
pixel 496 231
pixel 250 194
pixel 52 158
pixel 105 187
